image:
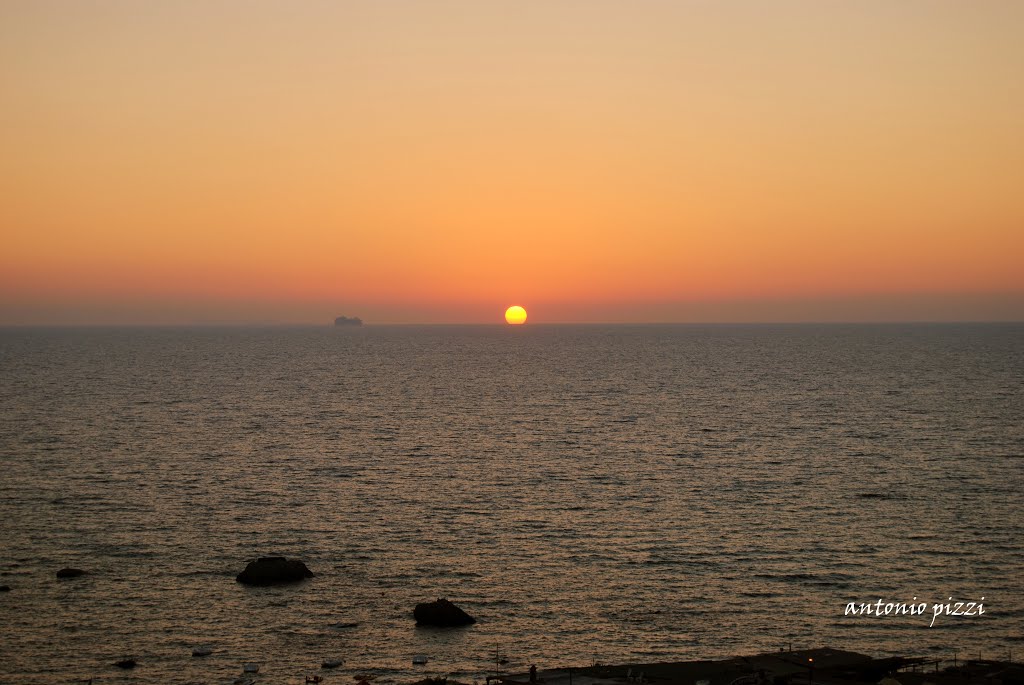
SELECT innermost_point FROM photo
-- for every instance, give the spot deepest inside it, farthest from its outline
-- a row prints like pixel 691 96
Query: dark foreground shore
pixel 822 666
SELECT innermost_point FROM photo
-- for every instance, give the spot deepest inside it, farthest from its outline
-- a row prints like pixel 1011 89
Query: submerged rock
pixel 70 573
pixel 441 613
pixel 344 625
pixel 273 571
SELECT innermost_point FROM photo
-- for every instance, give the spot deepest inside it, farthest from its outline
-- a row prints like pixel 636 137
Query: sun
pixel 515 315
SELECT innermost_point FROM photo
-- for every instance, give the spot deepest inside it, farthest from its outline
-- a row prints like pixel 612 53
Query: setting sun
pixel 515 315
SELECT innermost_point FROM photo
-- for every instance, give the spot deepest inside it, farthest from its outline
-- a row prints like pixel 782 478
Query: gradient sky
pixel 170 162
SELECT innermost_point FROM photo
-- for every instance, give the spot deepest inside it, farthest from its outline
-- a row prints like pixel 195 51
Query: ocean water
pixel 589 493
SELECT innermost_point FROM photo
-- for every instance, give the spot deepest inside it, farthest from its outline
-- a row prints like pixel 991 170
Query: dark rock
pixel 441 613
pixel 126 663
pixel 5 588
pixel 273 571
pixel 70 573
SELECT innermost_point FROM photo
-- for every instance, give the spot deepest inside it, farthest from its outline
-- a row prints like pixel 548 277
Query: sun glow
pixel 515 315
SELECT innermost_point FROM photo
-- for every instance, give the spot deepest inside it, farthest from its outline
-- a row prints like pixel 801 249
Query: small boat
pixel 251 667
pixel 419 659
pixel 332 663
pixel 202 651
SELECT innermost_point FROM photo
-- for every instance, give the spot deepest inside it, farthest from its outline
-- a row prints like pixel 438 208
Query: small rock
pixel 273 570
pixel 5 588
pixel 70 573
pixel 126 663
pixel 441 613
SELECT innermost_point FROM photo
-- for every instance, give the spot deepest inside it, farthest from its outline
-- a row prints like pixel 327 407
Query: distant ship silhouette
pixel 346 321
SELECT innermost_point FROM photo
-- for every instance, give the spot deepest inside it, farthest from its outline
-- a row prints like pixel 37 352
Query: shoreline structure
pixel 820 666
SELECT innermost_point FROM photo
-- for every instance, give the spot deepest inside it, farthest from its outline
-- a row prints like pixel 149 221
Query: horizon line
pixel 502 324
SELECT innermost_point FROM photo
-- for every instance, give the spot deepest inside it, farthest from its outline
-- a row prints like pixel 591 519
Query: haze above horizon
pixel 170 163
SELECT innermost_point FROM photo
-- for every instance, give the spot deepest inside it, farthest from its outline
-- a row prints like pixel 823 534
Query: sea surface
pixel 588 493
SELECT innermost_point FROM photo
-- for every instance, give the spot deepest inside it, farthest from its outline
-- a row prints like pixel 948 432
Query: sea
pixel 591 493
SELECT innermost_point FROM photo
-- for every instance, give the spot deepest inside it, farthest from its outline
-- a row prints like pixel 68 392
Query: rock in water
pixel 70 573
pixel 5 588
pixel 126 663
pixel 274 570
pixel 441 613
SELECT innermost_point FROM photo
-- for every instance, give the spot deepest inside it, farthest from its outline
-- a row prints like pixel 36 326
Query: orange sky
pixel 591 160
